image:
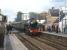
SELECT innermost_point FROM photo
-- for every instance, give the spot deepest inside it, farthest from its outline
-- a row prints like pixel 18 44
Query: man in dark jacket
pixel 9 28
pixel 57 29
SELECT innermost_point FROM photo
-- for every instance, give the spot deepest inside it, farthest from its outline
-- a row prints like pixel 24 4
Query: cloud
pixel 10 7
pixel 58 0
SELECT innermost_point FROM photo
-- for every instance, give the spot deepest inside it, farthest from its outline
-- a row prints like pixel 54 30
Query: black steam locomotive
pixel 32 28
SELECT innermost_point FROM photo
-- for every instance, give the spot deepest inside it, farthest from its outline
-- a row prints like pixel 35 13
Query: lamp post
pixel 64 20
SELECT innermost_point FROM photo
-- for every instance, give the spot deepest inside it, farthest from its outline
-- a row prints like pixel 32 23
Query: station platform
pixel 54 33
pixel 11 42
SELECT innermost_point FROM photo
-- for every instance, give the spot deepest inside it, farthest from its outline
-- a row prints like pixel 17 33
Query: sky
pixel 11 7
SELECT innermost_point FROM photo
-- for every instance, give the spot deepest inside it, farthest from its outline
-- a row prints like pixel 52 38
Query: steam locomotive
pixel 32 28
pixel 29 27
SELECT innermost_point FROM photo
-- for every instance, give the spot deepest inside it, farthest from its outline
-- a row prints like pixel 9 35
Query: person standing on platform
pixel 49 28
pixel 9 29
pixel 57 29
pixel 53 28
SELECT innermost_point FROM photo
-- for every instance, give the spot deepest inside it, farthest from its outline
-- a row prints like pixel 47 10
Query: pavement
pixel 13 43
pixel 1 48
pixel 58 34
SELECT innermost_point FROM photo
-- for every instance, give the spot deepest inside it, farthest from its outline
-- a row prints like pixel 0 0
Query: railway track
pixel 59 44
pixel 29 45
pixel 33 43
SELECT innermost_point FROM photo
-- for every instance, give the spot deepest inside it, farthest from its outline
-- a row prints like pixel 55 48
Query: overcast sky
pixel 10 7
